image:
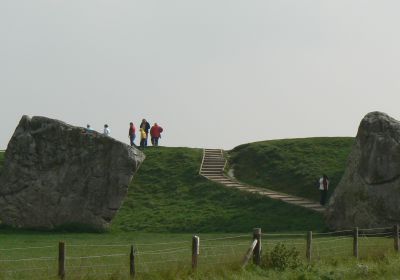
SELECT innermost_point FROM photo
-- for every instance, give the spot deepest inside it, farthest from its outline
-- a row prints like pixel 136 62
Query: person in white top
pixel 323 188
pixel 106 130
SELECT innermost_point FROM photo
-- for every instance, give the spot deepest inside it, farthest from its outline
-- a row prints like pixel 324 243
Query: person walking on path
pixel 146 126
pixel 106 130
pixel 155 133
pixel 132 134
pixel 143 138
pixel 323 188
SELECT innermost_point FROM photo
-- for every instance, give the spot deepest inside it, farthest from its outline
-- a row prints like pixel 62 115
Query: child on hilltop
pixel 146 127
pixel 143 138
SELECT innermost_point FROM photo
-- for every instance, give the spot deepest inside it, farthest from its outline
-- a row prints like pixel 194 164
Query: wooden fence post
pixel 355 242
pixel 61 259
pixel 249 253
pixel 396 238
pixel 132 270
pixel 195 251
pixel 257 249
pixel 309 246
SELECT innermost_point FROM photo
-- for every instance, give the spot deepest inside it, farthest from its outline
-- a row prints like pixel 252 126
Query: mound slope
pixel 292 165
pixel 169 195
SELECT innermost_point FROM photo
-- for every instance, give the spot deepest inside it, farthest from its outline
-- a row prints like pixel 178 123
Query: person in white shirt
pixel 323 188
pixel 106 130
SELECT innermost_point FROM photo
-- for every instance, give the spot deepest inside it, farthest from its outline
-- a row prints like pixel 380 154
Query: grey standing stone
pixel 368 195
pixel 57 175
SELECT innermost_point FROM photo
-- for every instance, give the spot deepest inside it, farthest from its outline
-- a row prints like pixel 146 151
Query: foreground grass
pixel 168 195
pixel 292 165
pixel 33 255
pixel 383 267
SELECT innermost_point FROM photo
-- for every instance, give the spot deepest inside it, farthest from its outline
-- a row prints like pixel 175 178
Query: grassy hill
pixel 168 195
pixel 292 165
pixel 1 159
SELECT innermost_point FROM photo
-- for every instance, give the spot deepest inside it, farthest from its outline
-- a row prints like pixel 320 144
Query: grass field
pixel 33 255
pixel 168 195
pixel 292 165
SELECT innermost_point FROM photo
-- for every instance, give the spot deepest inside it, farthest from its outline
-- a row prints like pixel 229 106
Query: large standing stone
pixel 369 193
pixel 58 175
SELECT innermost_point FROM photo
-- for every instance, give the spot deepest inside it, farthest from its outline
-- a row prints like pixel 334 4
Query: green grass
pixel 168 195
pixel 383 267
pixel 292 165
pixel 168 256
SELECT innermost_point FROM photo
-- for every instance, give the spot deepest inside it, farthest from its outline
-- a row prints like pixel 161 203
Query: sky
pixel 212 73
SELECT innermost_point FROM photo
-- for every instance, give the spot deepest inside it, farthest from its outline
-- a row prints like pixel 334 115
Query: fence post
pixel 249 253
pixel 309 246
pixel 396 238
pixel 132 270
pixel 61 259
pixel 355 242
pixel 195 251
pixel 257 249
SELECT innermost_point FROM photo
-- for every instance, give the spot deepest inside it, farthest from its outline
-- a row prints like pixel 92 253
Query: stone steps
pixel 212 169
pixel 213 163
pixel 221 167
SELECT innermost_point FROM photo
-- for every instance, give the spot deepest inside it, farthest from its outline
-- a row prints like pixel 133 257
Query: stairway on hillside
pixel 212 167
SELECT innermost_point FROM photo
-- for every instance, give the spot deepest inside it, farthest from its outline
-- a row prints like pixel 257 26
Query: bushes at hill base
pixel 292 165
pixel 281 257
pixel 169 195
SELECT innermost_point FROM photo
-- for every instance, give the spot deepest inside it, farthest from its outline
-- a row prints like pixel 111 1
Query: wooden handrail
pixel 202 161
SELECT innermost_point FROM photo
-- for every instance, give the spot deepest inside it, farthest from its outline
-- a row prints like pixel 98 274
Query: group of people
pixel 144 130
pixel 106 130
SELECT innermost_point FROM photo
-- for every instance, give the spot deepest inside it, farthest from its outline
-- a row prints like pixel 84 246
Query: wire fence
pixel 130 259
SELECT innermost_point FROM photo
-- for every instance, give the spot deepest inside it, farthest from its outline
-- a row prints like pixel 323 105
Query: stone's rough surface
pixel 369 193
pixel 57 175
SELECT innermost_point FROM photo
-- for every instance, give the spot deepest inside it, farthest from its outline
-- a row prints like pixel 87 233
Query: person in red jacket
pixel 132 133
pixel 155 133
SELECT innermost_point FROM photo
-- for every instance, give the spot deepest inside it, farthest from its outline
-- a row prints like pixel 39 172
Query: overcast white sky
pixel 213 73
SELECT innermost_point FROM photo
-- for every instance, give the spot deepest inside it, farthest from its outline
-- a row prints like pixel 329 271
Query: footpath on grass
pixel 212 168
